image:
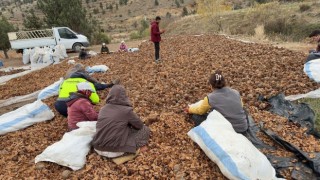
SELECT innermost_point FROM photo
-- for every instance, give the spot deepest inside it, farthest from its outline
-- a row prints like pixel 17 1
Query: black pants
pixel 157 50
pixel 61 107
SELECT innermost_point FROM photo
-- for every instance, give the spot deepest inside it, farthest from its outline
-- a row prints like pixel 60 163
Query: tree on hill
pixel 5 27
pixel 66 13
pixel 177 3
pixel 123 2
pixel 156 3
pixel 32 21
pixel 184 11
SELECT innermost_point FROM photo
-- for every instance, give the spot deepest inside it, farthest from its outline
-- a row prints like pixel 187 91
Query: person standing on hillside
pixel 156 37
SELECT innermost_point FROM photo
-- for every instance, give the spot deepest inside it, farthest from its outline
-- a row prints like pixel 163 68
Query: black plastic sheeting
pixel 312 56
pixel 300 113
pixel 303 167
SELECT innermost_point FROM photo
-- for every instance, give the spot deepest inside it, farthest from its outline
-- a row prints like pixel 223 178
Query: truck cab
pixel 70 39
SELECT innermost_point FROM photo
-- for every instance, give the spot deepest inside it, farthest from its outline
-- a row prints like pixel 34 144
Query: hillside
pixel 116 20
pixel 273 21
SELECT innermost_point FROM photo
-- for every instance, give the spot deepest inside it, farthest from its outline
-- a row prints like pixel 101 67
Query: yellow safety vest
pixel 70 85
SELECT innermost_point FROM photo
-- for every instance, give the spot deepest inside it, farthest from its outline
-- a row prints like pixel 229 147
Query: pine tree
pixel 185 11
pixel 177 3
pixel 32 21
pixel 66 13
pixel 5 27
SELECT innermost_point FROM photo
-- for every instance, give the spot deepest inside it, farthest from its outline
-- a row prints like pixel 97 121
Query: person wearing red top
pixel 80 107
pixel 156 37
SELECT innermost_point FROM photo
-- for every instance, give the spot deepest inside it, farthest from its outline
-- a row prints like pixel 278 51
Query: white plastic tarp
pixel 4 79
pixel 72 149
pixel 50 91
pixel 25 116
pixel 311 94
pixel 312 69
pixel 235 155
pixel 18 99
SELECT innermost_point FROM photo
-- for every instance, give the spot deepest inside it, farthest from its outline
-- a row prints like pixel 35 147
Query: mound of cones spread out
pixel 159 93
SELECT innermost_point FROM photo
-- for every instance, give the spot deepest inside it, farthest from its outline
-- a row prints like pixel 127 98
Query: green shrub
pixel 99 38
pixel 135 35
pixel 304 7
pixel 95 11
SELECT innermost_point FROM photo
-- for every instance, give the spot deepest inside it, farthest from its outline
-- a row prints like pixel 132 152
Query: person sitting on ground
pixel 317 49
pixel 80 107
pixel 83 54
pixel 123 47
pixel 76 75
pixel 315 35
pixel 119 130
pixel 104 49
pixel 225 100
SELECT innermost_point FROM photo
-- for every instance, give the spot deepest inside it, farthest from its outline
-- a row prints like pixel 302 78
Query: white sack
pixel 133 49
pixel 92 53
pixel 97 68
pixel 235 155
pixel 50 91
pixel 312 69
pixel 57 51
pixel 72 149
pixel 25 116
pixel 26 56
pixel 63 51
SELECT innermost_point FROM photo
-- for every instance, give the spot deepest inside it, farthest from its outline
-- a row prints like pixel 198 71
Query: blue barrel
pixel 1 63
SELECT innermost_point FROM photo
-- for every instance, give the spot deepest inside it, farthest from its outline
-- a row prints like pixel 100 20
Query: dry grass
pixel 259 32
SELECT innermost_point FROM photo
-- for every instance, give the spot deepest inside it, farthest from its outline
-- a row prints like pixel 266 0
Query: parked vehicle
pixel 48 37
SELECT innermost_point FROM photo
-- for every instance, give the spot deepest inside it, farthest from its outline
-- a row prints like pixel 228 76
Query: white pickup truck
pixel 47 37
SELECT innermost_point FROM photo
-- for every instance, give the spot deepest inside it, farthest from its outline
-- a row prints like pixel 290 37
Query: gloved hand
pixel 116 81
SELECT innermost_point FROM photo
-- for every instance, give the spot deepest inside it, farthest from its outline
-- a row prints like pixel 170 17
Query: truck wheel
pixel 76 47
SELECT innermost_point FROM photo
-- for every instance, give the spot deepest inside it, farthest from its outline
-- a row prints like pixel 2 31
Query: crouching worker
pixel 104 49
pixel 225 100
pixel 83 54
pixel 119 129
pixel 75 75
pixel 78 71
pixel 80 107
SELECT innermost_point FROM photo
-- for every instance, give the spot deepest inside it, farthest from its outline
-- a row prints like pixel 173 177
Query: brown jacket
pixel 114 124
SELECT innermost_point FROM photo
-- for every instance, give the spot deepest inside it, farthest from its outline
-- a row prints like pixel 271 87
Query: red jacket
pixel 80 109
pixel 155 32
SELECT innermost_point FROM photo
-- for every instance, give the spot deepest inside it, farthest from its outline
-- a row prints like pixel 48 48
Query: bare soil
pixel 15 59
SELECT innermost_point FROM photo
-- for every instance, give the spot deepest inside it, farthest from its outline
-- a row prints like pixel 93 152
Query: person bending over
pixel 75 75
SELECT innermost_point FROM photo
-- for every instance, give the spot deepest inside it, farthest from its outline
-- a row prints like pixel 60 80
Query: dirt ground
pixel 15 59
